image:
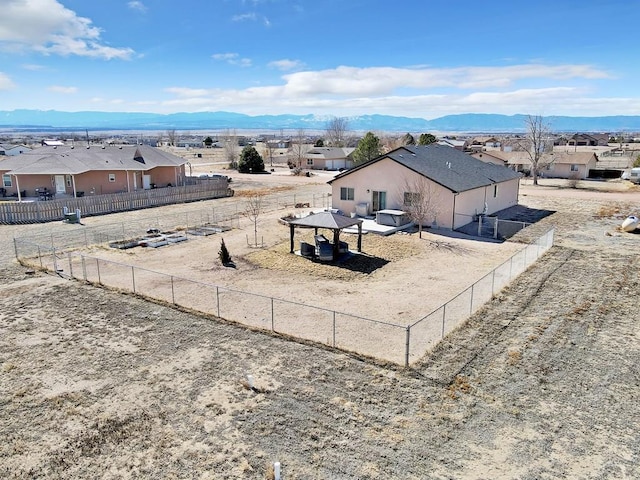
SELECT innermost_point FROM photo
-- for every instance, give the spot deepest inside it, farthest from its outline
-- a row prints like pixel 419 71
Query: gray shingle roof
pixel 446 166
pixel 326 220
pixel 73 161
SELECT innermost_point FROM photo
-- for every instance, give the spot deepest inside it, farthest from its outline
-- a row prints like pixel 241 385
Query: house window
pixel 411 199
pixel 6 181
pixel 112 177
pixel 495 191
pixel 68 180
pixel 346 193
pixel 309 161
pixel 574 167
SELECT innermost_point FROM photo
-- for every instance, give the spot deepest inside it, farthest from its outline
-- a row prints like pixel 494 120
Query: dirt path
pixel 542 383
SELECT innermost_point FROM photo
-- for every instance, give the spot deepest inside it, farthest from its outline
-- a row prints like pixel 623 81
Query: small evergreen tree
pixel 225 256
pixel 250 161
pixel 407 139
pixel 369 147
pixel 208 142
pixel 426 139
pixel 636 163
pixel 319 143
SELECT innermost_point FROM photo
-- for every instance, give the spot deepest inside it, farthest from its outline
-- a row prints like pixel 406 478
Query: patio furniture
pixel 307 250
pixel 44 194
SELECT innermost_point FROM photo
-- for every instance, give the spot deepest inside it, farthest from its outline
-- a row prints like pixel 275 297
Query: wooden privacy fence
pixel 37 211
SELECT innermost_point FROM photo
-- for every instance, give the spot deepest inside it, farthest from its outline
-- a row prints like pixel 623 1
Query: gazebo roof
pixel 326 220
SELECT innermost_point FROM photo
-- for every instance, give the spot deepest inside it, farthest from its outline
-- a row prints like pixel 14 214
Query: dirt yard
pixel 542 383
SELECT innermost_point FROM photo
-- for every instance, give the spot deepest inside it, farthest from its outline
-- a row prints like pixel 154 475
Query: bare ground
pixel 542 383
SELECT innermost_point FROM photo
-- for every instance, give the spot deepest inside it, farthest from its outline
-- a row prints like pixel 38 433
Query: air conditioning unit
pixel 362 209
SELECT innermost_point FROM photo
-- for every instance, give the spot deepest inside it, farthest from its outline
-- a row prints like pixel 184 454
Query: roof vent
pixel 55 147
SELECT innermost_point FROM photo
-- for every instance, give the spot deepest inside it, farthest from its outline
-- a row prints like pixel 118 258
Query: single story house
pixel 589 139
pixel 9 149
pixel 94 170
pixel 328 158
pixel 559 164
pixel 459 187
pixel 494 157
pixel 461 145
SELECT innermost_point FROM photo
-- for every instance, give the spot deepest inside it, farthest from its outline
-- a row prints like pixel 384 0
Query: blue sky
pixel 418 58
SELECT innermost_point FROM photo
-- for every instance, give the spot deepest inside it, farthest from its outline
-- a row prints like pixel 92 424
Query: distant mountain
pixel 52 120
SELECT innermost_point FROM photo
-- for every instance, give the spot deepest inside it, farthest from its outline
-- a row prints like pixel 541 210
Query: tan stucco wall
pixel 394 179
pixel 97 182
pixel 563 170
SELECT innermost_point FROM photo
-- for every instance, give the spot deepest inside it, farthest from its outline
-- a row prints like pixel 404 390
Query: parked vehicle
pixel 633 175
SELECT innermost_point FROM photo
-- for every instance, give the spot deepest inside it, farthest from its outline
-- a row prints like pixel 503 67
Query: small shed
pixel 330 221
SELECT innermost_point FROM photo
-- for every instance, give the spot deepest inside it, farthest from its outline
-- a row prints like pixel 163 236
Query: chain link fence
pixel 387 341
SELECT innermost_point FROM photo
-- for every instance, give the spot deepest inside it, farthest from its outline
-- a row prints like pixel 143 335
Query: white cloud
pixel 33 67
pixel 61 89
pixel 286 64
pixel 251 17
pixel 245 17
pixel 5 82
pixel 48 27
pixel 421 92
pixel 232 59
pixel 187 92
pixel 385 80
pixel 136 5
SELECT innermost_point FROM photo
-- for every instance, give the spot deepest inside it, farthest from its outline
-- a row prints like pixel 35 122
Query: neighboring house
pixel 589 140
pixel 52 143
pixel 457 144
pixel 495 157
pixel 92 171
pixel 10 150
pixel 574 165
pixel 487 142
pixel 459 186
pixel 274 144
pixel 328 158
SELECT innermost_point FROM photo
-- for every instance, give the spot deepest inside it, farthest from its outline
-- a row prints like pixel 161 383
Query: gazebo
pixel 328 220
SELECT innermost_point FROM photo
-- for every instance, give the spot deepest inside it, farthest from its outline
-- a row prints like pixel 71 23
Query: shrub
pixel 225 257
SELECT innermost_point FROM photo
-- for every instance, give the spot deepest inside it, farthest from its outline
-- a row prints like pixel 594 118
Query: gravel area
pixel 541 383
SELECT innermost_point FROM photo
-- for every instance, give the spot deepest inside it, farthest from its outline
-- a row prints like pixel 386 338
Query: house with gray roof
pixel 94 170
pixel 10 149
pixel 459 186
pixel 329 158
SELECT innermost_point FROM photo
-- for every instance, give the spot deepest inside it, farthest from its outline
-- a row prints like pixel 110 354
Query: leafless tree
pixel 254 207
pixel 230 145
pixel 269 148
pixel 171 134
pixel 421 202
pixel 298 147
pixel 338 134
pixel 539 146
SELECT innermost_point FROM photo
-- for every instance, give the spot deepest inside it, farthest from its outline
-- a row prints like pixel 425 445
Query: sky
pixel 413 58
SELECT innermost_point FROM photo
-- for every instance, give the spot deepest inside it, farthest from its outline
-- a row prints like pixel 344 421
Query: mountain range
pixel 53 120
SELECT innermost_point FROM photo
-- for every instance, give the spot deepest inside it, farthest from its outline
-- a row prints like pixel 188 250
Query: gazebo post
pixel 360 237
pixel 336 242
pixel 291 230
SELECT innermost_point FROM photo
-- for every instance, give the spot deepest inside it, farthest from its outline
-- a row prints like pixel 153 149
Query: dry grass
pixel 377 252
